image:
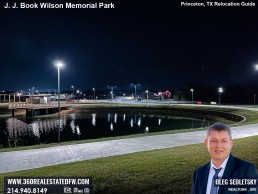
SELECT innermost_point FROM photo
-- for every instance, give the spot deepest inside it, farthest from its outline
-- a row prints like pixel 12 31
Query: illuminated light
pixel 78 130
pixel 131 123
pixel 147 129
pixel 94 119
pixel 59 64
pixel 72 125
pixel 139 122
pixel 115 118
pixel 220 91
pixel 256 67
pixel 35 128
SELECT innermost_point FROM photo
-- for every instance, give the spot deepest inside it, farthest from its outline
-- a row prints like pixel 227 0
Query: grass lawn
pixel 157 171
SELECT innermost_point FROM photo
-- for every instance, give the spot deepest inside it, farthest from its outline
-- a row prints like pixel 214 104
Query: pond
pixel 23 131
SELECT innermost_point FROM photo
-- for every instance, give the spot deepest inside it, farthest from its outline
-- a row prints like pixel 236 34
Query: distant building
pixel 39 99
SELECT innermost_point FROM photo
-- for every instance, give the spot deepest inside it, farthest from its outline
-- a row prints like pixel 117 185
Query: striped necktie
pixel 214 188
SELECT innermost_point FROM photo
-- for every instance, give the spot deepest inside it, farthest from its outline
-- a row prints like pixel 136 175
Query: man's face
pixel 219 145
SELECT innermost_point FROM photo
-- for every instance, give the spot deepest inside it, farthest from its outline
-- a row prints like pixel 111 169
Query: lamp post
pixel 135 91
pixel 254 98
pixel 147 96
pixel 4 98
pixel 59 65
pixel 19 96
pixel 135 86
pixel 192 94
pixel 111 95
pixel 112 91
pixel 73 89
pixel 220 91
pixel 94 94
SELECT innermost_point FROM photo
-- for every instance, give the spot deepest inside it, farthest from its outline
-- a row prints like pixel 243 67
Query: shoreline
pixel 152 109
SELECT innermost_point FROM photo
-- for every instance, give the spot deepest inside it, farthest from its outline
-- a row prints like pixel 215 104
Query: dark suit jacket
pixel 235 168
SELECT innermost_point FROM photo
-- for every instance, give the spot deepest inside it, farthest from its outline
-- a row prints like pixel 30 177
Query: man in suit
pixel 219 143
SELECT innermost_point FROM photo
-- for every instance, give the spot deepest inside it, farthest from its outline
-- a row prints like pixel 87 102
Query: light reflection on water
pixel 15 132
pixel 93 119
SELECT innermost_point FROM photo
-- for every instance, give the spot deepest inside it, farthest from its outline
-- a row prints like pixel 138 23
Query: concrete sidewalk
pixel 35 158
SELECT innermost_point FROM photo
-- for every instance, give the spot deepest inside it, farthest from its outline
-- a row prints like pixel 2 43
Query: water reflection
pixel 75 126
pixel 115 118
pixel 108 117
pixel 147 129
pixel 93 119
pixel 139 122
pixel 159 121
pixel 72 123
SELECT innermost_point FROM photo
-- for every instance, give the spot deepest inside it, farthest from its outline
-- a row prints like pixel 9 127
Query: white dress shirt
pixel 212 173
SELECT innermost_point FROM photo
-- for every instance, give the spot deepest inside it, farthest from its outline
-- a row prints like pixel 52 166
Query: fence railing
pixel 30 105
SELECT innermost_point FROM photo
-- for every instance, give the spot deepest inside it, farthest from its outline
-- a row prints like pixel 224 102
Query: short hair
pixel 219 127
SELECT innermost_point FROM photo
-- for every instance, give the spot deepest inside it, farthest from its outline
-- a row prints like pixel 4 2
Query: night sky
pixel 158 44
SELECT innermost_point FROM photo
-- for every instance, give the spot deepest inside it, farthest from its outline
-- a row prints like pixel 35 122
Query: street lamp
pixel 112 91
pixel 111 95
pixel 192 94
pixel 73 89
pixel 147 96
pixel 78 92
pixel 94 93
pixel 19 96
pixel 135 86
pixel 58 65
pixel 220 91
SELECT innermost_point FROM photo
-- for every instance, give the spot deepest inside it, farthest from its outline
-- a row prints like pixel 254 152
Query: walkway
pixel 35 158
